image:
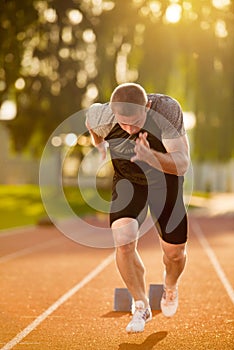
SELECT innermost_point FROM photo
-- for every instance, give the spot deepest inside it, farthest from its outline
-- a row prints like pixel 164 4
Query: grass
pixel 202 194
pixel 22 205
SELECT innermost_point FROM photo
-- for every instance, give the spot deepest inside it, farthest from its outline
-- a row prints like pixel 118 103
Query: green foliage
pixel 67 63
pixel 22 205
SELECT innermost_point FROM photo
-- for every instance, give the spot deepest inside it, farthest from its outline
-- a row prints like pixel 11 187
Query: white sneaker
pixel 169 302
pixel 139 318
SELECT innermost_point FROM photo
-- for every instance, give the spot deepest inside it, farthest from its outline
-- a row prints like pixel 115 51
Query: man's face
pixel 131 124
pixel 134 123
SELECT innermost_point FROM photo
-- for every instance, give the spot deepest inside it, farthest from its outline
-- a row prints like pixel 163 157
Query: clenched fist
pixel 142 148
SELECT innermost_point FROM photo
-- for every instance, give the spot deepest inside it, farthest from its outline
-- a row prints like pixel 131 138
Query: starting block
pixel 123 299
pixel 155 296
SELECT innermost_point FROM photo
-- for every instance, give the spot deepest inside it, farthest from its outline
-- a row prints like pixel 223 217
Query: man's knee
pixel 125 233
pixel 174 253
pixel 126 249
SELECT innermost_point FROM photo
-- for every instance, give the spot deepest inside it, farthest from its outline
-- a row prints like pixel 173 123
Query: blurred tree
pixel 214 81
pixel 188 53
pixel 60 56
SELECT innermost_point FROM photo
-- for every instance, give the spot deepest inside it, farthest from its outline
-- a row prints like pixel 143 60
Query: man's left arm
pixel 175 161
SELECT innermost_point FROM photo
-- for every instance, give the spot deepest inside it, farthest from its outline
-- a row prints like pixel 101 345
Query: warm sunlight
pixel 50 15
pixel 71 139
pixel 173 13
pixel 189 120
pixel 75 16
pixel 221 29
pixel 220 4
pixel 8 110
pixel 20 84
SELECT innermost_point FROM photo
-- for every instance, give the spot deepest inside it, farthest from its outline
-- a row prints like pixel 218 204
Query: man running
pixel 150 155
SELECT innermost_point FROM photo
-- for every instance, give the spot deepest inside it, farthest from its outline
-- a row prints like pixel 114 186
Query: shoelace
pixel 170 295
pixel 140 314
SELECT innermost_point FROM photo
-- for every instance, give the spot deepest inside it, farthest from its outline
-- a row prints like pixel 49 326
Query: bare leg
pixel 174 259
pixel 128 261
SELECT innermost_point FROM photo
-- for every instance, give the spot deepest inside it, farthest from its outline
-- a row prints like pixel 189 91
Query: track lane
pixel 31 283
pixel 17 240
pixel 213 259
pixel 219 232
pixel 86 321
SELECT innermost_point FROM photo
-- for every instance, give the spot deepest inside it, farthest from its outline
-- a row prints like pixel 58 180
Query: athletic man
pixel 150 155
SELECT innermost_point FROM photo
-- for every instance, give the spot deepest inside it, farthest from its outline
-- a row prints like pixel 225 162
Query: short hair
pixel 128 99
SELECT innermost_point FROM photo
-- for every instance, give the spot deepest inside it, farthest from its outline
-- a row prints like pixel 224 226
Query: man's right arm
pixel 98 142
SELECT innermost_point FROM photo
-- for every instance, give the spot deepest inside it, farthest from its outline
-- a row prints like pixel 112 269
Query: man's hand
pixel 98 142
pixel 142 148
pixel 175 161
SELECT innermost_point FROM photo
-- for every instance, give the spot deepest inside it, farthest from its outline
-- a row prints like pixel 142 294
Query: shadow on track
pixel 148 344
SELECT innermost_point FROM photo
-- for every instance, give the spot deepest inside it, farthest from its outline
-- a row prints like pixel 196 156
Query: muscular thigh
pixel 129 200
pixel 168 210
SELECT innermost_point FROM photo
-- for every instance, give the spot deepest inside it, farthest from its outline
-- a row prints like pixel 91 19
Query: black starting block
pixel 155 296
pixel 123 299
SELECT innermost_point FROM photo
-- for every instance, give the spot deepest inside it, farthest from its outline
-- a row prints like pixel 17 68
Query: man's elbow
pixel 183 166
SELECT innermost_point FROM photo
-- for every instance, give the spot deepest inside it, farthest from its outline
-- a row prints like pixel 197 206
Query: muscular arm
pixel 175 161
pixel 98 141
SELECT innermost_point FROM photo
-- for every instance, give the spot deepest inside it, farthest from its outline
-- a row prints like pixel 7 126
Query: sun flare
pixel 173 13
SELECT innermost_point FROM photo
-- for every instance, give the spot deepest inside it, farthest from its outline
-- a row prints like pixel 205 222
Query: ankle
pixel 168 284
pixel 144 300
pixel 172 287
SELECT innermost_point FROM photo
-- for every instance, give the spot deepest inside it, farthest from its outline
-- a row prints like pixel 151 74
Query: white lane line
pixel 17 339
pixel 29 250
pixel 213 259
pixel 16 230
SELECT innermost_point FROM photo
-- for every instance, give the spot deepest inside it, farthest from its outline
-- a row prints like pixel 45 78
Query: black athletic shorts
pixel 166 206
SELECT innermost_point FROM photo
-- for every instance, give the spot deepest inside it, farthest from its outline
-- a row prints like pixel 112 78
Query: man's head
pixel 129 97
pixel 129 103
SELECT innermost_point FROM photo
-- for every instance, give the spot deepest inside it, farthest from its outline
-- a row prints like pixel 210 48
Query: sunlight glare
pixel 64 52
pixel 71 139
pixel 220 4
pixel 75 16
pixel 173 13
pixel 108 5
pixel 56 141
pixel 89 36
pixel 67 35
pixel 189 120
pixel 2 85
pixel 220 29
pixel 20 84
pixel 155 6
pixel 50 15
pixel 8 110
pixel 92 91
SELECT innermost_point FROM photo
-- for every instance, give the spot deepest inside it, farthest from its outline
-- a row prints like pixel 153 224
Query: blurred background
pixel 58 57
